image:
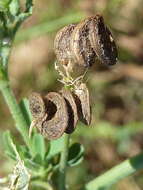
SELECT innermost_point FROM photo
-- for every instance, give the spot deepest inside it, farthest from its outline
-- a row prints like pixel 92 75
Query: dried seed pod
pixel 102 40
pixel 72 110
pixel 78 46
pixel 62 44
pixel 37 105
pixel 56 123
pixel 83 103
pixel 83 52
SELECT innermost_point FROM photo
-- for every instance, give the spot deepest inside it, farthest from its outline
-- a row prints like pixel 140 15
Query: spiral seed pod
pixel 62 44
pixel 72 110
pixel 102 40
pixel 37 105
pixel 57 113
pixel 83 52
pixel 56 123
pixel 78 46
pixel 49 113
pixel 83 103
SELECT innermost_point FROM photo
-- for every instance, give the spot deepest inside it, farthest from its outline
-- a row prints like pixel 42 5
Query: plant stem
pixel 63 164
pixel 117 173
pixel 42 184
pixel 6 90
pixel 17 115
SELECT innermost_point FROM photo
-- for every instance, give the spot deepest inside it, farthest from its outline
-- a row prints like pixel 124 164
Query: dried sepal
pixel 72 110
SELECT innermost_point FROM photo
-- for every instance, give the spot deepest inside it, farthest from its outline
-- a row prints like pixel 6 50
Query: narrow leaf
pixel 24 105
pixel 55 147
pixel 38 145
pixel 7 140
pixel 32 165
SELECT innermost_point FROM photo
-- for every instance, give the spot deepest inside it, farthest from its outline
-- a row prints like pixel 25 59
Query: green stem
pixel 63 164
pixel 14 108
pixel 117 173
pixel 42 184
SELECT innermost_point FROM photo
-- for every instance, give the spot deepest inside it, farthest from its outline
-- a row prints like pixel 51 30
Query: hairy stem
pixel 14 108
pixel 117 173
pixel 63 164
pixel 8 94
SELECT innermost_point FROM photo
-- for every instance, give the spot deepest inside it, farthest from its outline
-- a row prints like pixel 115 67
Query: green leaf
pixel 24 105
pixel 55 147
pixel 76 153
pixel 37 159
pixel 24 152
pixel 38 145
pixel 7 139
pixel 32 165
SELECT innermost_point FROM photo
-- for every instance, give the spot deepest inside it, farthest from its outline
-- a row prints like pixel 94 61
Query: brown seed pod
pixel 56 123
pixel 62 44
pixel 83 52
pixel 102 40
pixel 37 105
pixel 72 110
pixel 78 46
pixel 83 103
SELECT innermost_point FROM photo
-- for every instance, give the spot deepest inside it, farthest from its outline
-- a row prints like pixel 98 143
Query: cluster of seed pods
pixel 59 112
pixel 78 46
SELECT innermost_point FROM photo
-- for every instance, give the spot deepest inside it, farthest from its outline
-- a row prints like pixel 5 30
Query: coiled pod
pixel 77 46
pixel 57 113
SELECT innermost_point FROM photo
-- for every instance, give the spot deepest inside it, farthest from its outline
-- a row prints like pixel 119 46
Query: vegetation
pixel 115 134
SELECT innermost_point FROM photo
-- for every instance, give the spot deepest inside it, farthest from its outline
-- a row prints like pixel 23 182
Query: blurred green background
pixel 116 132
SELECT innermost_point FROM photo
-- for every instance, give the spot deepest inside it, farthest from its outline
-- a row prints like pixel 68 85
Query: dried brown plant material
pixel 83 53
pixel 56 123
pixel 62 44
pixel 37 105
pixel 78 46
pixel 83 103
pixel 72 110
pixel 102 41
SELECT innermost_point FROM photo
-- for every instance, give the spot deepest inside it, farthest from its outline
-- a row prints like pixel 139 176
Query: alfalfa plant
pixel 39 162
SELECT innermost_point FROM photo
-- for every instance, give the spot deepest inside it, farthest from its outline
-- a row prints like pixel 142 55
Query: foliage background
pixel 116 92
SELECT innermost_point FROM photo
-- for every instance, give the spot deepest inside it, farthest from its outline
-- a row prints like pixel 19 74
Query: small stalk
pixel 116 174
pixel 63 164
